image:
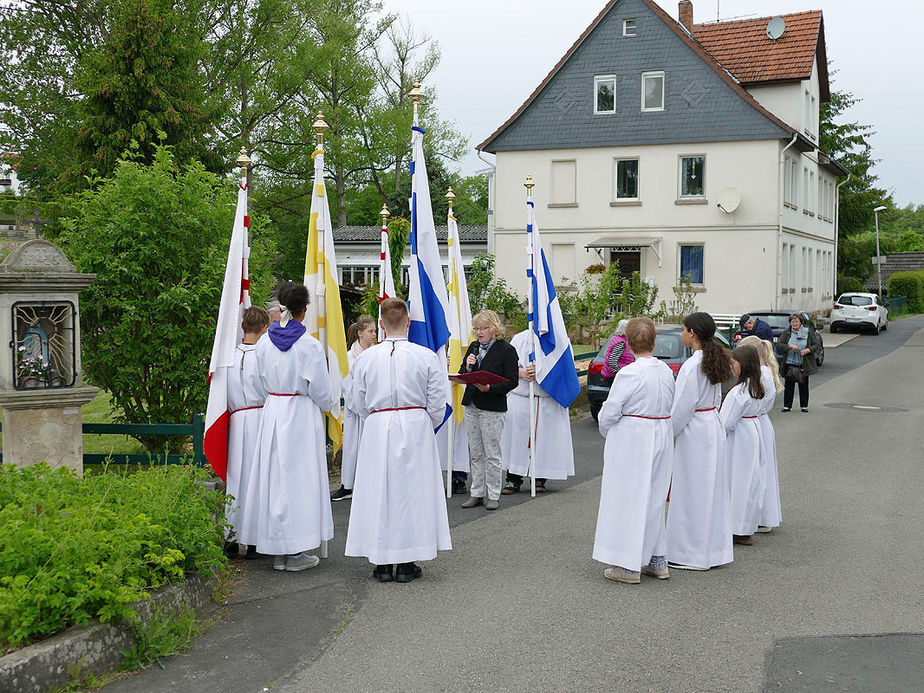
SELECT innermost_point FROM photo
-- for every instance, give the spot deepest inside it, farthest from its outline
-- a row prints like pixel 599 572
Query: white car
pixel 854 309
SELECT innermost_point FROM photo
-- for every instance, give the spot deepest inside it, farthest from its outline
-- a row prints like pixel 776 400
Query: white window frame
pixel 648 75
pixel 680 195
pixel 597 80
pixel 638 185
pixel 628 30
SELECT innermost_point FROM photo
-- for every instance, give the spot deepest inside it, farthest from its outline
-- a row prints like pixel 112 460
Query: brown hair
pixel 716 364
pixel 361 324
pixel 641 333
pixel 394 314
pixel 254 319
pixel 749 360
pixel 767 357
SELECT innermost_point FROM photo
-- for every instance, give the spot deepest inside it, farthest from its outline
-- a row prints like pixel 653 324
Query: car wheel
pixel 885 326
pixel 832 328
pixel 595 409
pixel 876 329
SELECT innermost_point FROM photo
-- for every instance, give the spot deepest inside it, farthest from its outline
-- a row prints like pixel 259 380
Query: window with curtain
pixel 691 264
pixel 692 176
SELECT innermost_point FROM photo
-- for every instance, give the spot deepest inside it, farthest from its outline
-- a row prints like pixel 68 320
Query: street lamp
pixel 878 258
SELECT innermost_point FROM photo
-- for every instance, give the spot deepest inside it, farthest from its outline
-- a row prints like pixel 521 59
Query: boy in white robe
pixel 554 454
pixel 637 463
pixel 245 402
pixel 399 504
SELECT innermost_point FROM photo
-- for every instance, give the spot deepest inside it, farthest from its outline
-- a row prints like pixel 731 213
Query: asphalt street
pixel 519 604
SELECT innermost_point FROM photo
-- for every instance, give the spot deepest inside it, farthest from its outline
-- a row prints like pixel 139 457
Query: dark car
pixel 668 348
pixel 779 321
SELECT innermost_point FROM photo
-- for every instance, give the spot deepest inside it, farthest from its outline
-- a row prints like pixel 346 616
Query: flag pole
pixel 244 162
pixel 320 127
pixel 531 274
pixel 450 422
pixel 384 213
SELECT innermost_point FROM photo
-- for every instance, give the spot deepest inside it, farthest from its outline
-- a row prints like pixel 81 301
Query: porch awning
pixel 628 244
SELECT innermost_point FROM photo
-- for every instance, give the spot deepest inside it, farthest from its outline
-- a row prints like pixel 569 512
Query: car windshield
pixel 855 301
pixel 776 322
pixel 668 346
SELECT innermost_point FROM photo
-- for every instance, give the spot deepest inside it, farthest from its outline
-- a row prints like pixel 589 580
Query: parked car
pixel 864 311
pixel 668 347
pixel 779 321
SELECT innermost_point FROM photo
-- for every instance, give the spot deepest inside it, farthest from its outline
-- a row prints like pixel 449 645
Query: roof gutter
pixel 837 230
pixel 779 226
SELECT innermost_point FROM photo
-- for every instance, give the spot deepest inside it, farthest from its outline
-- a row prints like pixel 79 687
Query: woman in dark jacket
pixel 486 407
pixel 801 345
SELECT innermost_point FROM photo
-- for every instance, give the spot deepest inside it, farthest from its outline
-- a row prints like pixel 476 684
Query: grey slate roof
pixel 703 102
pixel 895 262
pixel 372 234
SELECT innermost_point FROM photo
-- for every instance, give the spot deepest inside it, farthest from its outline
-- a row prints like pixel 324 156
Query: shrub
pixel 74 548
pixel 911 286
pixel 848 283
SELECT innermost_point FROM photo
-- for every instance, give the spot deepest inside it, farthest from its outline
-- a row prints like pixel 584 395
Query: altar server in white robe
pixel 399 504
pixel 554 454
pixel 739 414
pixel 288 511
pixel 637 461
pixel 245 402
pixel 360 336
pixel 698 525
pixel 771 513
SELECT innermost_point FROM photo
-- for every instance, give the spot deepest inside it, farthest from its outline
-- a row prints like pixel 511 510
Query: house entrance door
pixel 629 262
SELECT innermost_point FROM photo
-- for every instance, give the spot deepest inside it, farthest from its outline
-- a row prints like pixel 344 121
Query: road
pixel 519 604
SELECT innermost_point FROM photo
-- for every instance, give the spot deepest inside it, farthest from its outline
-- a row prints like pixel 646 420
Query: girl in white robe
pixel 288 510
pixel 740 411
pixel 637 461
pixel 554 453
pixel 698 527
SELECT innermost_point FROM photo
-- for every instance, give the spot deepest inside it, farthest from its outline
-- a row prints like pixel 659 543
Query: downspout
pixel 837 231
pixel 491 179
pixel 779 226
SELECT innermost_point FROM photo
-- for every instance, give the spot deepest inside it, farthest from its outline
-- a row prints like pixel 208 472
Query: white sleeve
pixel 313 367
pixel 732 408
pixel 685 398
pixel 611 412
pixel 437 388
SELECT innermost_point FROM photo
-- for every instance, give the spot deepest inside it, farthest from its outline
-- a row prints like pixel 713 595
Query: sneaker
pixel 279 562
pixel 341 494
pixel 509 489
pixel 491 504
pixel 661 574
pixel 473 502
pixel 301 561
pixel 618 574
pixel 786 409
pixel 805 410
pixel 683 566
pixel 763 530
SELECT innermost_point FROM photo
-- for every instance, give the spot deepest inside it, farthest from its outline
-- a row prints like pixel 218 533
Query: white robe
pixel 245 402
pixel 771 512
pixel 352 423
pixel 398 513
pixel 637 461
pixel 288 499
pixel 698 526
pixel 742 457
pixel 460 459
pixel 554 455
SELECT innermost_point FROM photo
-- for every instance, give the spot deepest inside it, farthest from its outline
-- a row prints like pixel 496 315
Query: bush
pixel 847 283
pixel 74 548
pixel 911 286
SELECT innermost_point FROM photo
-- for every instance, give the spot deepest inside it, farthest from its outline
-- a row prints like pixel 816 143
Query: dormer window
pixel 628 27
pixel 605 94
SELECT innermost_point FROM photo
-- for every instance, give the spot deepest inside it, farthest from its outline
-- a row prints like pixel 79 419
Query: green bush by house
pixel 911 286
pixel 74 548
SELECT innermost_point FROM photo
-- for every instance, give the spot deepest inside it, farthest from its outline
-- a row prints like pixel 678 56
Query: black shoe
pixel 230 549
pixel 786 409
pixel 407 572
pixel 383 573
pixel 509 489
pixel 341 494
pixel 540 485
pixel 252 553
pixel 458 487
pixel 742 539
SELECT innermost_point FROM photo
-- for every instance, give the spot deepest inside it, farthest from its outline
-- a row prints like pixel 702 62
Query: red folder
pixel 477 378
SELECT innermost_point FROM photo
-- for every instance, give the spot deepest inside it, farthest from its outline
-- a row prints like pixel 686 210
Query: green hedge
pixel 911 286
pixel 75 548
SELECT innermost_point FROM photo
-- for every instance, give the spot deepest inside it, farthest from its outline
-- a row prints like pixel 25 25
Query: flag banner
pixel 554 359
pixel 324 318
pixel 235 297
pixel 386 279
pixel 460 314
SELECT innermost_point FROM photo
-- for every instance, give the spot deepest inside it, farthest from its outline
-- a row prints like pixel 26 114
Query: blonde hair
pixel 488 318
pixel 767 357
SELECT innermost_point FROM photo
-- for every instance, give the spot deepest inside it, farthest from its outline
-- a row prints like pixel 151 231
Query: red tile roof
pixel 745 50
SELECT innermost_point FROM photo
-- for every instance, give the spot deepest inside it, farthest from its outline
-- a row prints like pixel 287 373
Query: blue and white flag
pixel 428 303
pixel 554 359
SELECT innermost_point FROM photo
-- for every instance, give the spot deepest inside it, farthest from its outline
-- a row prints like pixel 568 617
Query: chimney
pixel 685 12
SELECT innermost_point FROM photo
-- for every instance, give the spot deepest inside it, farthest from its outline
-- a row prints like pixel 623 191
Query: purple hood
pixel 284 337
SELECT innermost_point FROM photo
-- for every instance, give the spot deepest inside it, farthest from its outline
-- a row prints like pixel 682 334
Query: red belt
pixel 285 394
pixel 376 411
pixel 749 417
pixel 258 406
pixel 709 409
pixel 641 416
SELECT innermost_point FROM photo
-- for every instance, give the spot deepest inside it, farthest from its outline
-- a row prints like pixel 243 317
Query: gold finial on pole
pixel 451 196
pixel 529 185
pixel 384 214
pixel 319 126
pixel 416 95
pixel 243 161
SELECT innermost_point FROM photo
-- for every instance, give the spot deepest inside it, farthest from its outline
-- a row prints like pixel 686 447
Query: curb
pixel 92 649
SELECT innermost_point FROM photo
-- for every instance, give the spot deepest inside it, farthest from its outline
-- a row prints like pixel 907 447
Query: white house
pixel 680 150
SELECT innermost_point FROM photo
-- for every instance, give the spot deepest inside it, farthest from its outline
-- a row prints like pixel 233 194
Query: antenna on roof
pixel 775 28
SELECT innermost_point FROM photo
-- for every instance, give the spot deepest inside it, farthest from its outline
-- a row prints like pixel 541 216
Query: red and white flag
pixel 235 297
pixel 386 279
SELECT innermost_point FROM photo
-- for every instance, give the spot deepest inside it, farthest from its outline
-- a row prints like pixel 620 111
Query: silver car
pixel 859 310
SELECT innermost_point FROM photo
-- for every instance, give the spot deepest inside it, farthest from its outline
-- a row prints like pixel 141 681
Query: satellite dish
pixel 775 28
pixel 729 199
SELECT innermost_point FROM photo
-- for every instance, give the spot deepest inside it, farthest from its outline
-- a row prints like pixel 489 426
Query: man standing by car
pixel 751 325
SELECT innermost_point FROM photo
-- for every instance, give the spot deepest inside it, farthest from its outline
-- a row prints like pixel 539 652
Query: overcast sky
pixel 495 52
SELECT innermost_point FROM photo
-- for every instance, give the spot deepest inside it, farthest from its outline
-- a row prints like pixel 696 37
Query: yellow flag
pixel 460 314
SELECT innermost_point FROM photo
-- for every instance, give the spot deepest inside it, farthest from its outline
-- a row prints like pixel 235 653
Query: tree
pixel 157 238
pixel 487 292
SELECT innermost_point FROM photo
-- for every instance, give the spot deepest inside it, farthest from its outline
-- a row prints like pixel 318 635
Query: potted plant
pixel 32 371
